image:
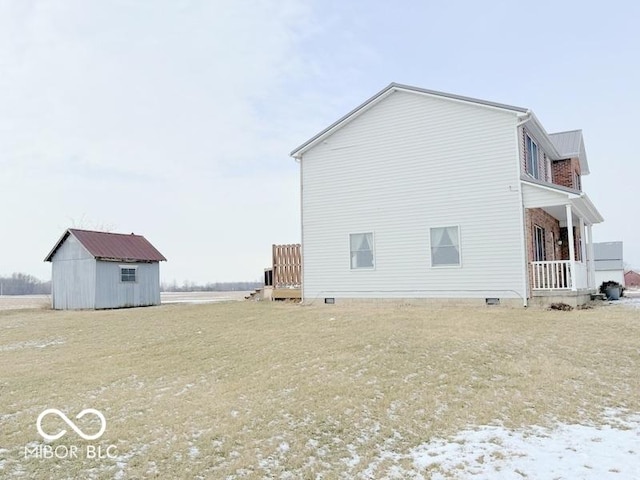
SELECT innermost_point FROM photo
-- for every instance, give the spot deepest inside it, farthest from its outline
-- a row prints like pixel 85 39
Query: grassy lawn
pixel 254 390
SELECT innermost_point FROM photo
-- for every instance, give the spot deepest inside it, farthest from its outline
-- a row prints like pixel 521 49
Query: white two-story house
pixel 423 194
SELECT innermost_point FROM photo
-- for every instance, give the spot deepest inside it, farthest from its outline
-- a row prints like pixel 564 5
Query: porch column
pixel 583 242
pixel 572 248
pixel 591 265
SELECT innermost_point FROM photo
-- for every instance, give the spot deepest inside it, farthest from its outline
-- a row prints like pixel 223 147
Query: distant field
pixel 17 302
pixel 266 390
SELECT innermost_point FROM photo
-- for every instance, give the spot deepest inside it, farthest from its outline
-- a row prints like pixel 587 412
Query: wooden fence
pixel 287 266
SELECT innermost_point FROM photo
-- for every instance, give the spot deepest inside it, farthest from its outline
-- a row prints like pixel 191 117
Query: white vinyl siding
pixel 361 250
pixel 409 163
pixel 445 247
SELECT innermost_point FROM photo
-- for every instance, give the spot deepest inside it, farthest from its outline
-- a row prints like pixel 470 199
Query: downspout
pixel 525 281
pixel 298 160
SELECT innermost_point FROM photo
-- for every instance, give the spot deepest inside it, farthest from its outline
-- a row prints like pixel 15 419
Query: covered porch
pixel 558 234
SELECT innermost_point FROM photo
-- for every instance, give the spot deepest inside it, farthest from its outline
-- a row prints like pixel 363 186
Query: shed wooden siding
pixel 410 163
pixel 112 293
pixel 73 277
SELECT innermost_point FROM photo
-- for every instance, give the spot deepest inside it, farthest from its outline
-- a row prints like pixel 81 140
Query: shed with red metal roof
pixel 98 270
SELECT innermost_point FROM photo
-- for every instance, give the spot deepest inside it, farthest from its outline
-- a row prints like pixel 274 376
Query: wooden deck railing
pixel 287 266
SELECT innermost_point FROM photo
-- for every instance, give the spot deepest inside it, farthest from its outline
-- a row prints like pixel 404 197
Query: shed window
pixel 127 274
pixel 445 246
pixel 361 250
pixel 533 167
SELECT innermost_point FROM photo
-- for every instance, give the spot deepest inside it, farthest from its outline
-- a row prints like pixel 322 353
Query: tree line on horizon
pixel 25 284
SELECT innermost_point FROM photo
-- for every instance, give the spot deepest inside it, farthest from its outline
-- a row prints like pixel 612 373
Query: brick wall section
pixel 537 216
pixel 563 172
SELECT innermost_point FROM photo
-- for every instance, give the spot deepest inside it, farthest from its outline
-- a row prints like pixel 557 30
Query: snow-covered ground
pixel 631 298
pixel 565 452
pixel 201 297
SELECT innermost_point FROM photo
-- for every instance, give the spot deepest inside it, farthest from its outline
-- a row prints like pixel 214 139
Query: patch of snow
pixel 283 447
pixel 193 452
pixel 630 300
pixel 566 452
pixel 31 343
pixel 184 390
pixel 355 458
pixel 120 473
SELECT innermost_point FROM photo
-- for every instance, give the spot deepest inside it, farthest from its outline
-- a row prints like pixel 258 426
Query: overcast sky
pixel 174 118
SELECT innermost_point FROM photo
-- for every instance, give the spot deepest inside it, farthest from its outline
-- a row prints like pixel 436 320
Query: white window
pixel 361 250
pixel 533 167
pixel 128 274
pixel 539 251
pixel 577 184
pixel 445 246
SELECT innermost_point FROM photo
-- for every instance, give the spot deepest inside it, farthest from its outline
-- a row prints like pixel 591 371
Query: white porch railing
pixel 558 275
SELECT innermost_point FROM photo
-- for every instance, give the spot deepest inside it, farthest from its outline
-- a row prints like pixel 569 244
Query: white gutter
pixel 526 117
pixel 523 240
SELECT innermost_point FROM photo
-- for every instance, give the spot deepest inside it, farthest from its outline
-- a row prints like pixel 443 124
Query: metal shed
pixel 98 270
pixel 609 262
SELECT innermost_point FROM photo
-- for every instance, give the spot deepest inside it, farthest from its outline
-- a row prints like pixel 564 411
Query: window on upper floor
pixel 577 183
pixel 361 250
pixel 445 247
pixel 533 167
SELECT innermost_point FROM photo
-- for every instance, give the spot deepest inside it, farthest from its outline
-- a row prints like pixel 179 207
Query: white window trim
pixel 130 267
pixel 459 265
pixel 373 251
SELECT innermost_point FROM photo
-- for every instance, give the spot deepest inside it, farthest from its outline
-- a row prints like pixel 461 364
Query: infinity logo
pixel 46 436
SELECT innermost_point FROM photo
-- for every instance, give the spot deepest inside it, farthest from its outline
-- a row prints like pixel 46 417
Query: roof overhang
pixel 553 199
pixel 55 248
pixel 389 90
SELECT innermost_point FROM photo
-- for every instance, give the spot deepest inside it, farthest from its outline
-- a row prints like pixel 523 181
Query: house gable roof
pixel 570 144
pixel 112 246
pixel 393 87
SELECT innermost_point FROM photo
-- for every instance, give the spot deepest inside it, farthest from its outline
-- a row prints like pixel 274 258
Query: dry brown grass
pixel 268 390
